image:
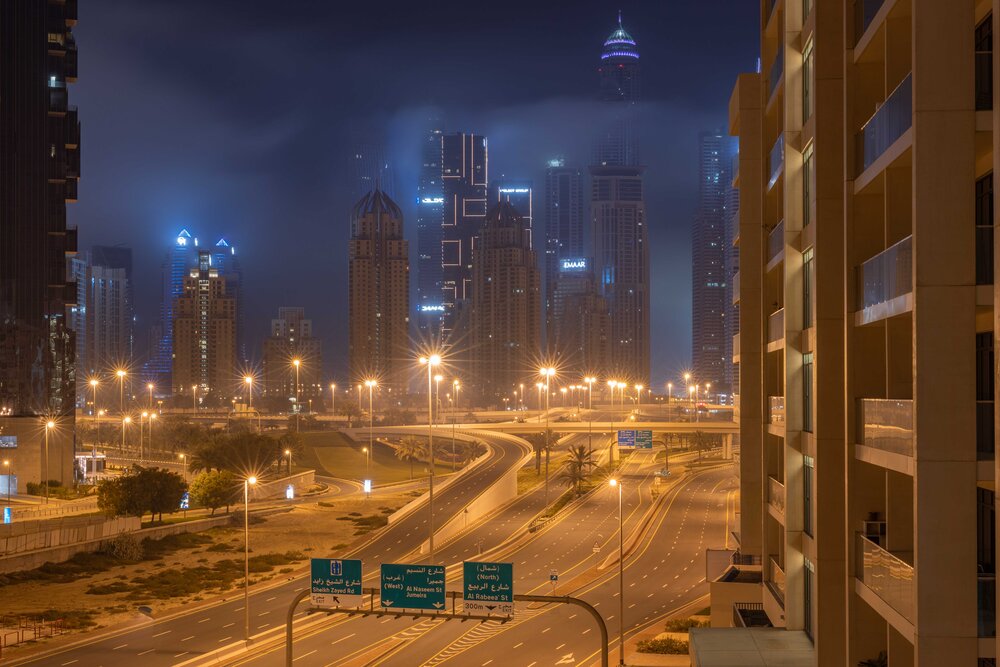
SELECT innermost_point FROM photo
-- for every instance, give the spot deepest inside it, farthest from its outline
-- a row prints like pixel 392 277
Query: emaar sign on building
pixel 577 264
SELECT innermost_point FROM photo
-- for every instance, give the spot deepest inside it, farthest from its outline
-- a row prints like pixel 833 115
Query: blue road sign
pixel 186 501
pixel 335 582
pixel 412 586
pixel 643 439
pixel 488 587
pixel 626 439
pixel 8 515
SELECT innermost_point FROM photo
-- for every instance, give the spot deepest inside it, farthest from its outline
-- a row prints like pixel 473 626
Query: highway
pixel 189 634
pixel 690 518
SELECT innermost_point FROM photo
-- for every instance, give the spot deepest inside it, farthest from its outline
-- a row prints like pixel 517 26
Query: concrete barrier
pixel 23 536
pixel 276 488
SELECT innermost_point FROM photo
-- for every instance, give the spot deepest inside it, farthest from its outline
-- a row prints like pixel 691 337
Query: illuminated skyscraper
pixel 39 170
pixel 204 333
pixel 292 338
pixel 464 173
pixel 225 259
pixel 710 352
pixel 564 230
pixel 379 289
pixel 506 303
pixel 618 214
pixel 179 260
pixel 430 209
pixel 520 194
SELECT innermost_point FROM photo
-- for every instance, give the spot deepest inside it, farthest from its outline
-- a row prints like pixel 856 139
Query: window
pixel 807 391
pixel 807 288
pixel 984 230
pixel 807 588
pixel 807 82
pixel 807 495
pixel 807 185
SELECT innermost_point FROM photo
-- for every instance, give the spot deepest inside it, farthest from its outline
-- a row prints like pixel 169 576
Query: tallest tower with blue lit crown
pixel 619 73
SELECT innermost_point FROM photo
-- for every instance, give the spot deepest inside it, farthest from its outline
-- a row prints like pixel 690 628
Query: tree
pixel 540 442
pixel 213 489
pixel 290 442
pixel 350 411
pixel 409 449
pixel 700 442
pixel 578 466
pixel 139 491
pixel 164 490
pixel 472 450
pixel 119 497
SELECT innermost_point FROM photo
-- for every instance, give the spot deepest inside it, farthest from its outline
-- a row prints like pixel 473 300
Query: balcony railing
pixel 887 124
pixel 750 615
pixel 984 80
pixel 776 326
pixel 736 345
pixel 776 409
pixel 986 588
pixel 886 424
pixel 886 276
pixel 864 14
pixel 888 576
pixel 985 431
pixel 776 161
pixel 776 241
pixel 777 582
pixel 984 254
pixel 776 494
pixel 736 287
pixel 774 74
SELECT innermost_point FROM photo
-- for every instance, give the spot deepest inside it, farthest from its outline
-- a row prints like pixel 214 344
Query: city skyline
pixel 513 124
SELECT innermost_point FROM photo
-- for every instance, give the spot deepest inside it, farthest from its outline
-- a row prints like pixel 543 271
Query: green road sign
pixel 489 587
pixel 335 583
pixel 412 586
pixel 643 439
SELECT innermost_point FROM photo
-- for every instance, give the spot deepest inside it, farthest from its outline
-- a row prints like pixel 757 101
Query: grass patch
pixel 684 624
pixel 667 646
pixel 179 582
pixel 76 619
pixel 337 455
pixel 108 589
pixel 365 524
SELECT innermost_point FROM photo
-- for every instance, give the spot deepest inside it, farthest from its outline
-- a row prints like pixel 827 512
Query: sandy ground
pixel 311 529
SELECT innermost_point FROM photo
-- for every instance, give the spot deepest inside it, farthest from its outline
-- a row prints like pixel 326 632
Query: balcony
pixel 864 14
pixel 775 241
pixel 777 580
pixel 776 161
pixel 776 326
pixel 984 254
pixel 984 80
pixel 985 431
pixel 986 588
pixel 736 287
pixel 774 74
pixel 776 494
pixel 750 615
pixel 885 276
pixel 886 575
pixel 886 125
pixel 776 409
pixel 736 347
pixel 886 424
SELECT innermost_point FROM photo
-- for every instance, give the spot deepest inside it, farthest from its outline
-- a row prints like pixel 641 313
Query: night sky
pixel 236 119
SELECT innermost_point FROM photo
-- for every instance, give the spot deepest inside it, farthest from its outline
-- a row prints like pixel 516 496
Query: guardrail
pixel 887 575
pixel 886 424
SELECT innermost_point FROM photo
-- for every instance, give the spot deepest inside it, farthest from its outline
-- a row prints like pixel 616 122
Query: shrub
pixel 236 519
pixel 125 547
pixel 667 645
pixel 684 624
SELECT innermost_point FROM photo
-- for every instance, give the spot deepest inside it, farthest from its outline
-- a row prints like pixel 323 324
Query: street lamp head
pixel 670 385
pixel 613 482
pixel 120 373
pixel 251 480
pixel 149 386
pixel 562 389
pixel 639 387
pixel 248 379
pixel 93 382
pixel 145 414
pixel 50 424
pixel 539 385
pixel 152 415
pixel 194 387
pixel 296 362
pixel 333 386
pixel 612 383
pixel 6 462
pixel 364 450
pixel 181 457
pixel 288 452
pixel 435 359
pixel 101 413
pixel 127 420
pixel 438 378
pixel 371 384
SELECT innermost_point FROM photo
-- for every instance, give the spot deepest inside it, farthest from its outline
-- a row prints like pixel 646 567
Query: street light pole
pixel 246 557
pixel 298 408
pixel 431 361
pixel 548 373
pixel 10 478
pixel 371 425
pixel 121 389
pixel 333 400
pixel 194 399
pixel 621 575
pixel 97 433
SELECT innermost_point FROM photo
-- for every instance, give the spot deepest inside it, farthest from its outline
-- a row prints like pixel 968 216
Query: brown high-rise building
pixel 292 338
pixel 205 333
pixel 379 287
pixel 506 303
pixel 39 169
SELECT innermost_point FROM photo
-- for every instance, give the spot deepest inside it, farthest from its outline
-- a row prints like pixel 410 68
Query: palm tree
pixel 538 444
pixel 471 450
pixel 578 466
pixel 700 441
pixel 409 449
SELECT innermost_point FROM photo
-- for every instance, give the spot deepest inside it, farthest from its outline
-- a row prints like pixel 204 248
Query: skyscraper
pixel 180 258
pixel 379 288
pixel 292 338
pixel 578 338
pixel 618 213
pixel 619 78
pixel 430 211
pixel 464 174
pixel 506 301
pixel 227 262
pixel 520 194
pixel 204 351
pixel 102 318
pixel 369 168
pixel 39 169
pixel 564 230
pixel 710 352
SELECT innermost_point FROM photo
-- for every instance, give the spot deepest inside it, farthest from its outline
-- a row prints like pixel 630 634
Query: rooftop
pixel 750 647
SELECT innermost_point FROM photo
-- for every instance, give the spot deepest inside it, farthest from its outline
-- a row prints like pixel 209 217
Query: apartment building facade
pixel 866 331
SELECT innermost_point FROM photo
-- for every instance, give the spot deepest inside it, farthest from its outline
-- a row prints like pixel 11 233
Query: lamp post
pixel 248 381
pixel 437 396
pixel 562 390
pixel 97 434
pixel 125 422
pixel 246 556
pixel 152 418
pixel 708 392
pixel 697 414
pixel 455 385
pixel 288 453
pixel 523 397
pixel 590 413
pixel 333 399
pixel 194 398
pixel 149 387
pixel 371 384
pixel 184 464
pixel 430 361
pixel 638 399
pixel 621 574
pixel 539 386
pixel 548 373
pixel 141 417
pixel 297 363
pixel 670 394
pixel 10 478
pixel 121 373
pixel 49 425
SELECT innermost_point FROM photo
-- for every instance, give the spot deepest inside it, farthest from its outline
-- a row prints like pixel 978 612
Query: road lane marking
pixel 165 632
pixel 187 638
pixel 518 645
pixel 118 647
pixel 342 638
pixel 228 625
pixel 143 653
pixel 304 655
pixel 205 620
pixel 227 638
pixel 69 663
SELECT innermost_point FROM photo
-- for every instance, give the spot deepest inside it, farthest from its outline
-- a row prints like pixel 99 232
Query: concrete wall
pixel 27 458
pixel 34 535
pixel 725 594
pixel 276 488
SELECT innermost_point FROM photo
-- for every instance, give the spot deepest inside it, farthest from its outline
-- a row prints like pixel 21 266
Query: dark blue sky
pixel 235 118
